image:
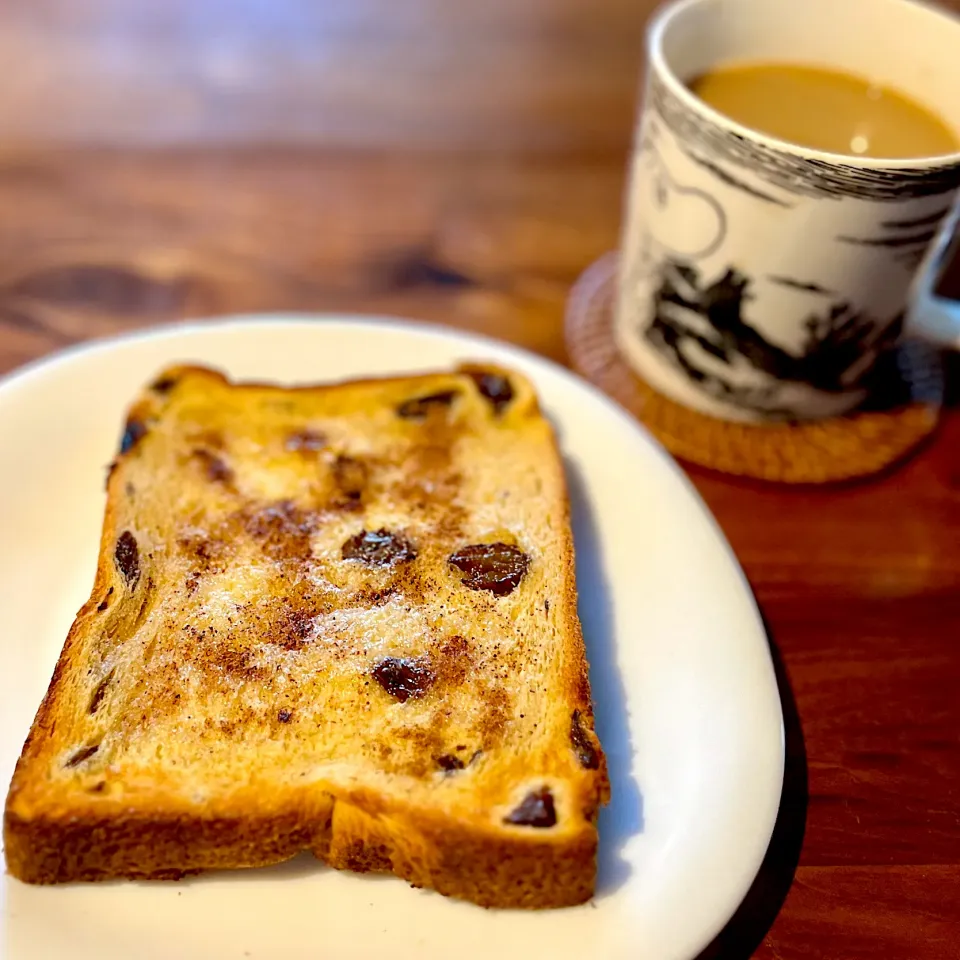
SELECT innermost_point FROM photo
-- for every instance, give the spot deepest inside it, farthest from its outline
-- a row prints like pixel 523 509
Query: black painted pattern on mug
pixel 893 242
pixel 731 181
pixel 803 285
pixel 699 326
pixel 930 218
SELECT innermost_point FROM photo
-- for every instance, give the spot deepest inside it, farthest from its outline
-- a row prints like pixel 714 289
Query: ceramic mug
pixel 760 280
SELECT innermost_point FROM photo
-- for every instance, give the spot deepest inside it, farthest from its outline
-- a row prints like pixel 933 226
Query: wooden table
pixel 462 162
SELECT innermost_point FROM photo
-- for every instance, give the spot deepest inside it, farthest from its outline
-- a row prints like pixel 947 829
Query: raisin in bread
pixel 339 618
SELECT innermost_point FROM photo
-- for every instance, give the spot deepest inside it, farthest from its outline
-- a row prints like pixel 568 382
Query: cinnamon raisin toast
pixel 339 618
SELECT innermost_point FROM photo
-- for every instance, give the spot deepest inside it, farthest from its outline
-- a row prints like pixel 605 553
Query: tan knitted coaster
pixel 821 451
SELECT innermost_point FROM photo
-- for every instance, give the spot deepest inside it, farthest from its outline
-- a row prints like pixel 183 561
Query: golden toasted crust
pixel 337 618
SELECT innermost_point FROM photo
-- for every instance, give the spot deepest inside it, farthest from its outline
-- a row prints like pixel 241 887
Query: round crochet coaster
pixel 822 451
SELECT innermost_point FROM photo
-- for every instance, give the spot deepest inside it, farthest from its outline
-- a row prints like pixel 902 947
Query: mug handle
pixel 930 316
pixel 937 319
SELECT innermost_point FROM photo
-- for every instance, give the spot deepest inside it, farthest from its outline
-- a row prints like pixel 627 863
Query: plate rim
pixel 40 367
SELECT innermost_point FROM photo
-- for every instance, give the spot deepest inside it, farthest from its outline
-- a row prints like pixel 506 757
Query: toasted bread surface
pixel 339 618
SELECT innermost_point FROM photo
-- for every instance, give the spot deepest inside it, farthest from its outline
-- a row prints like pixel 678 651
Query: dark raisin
pixel 164 385
pixel 403 678
pixel 99 691
pixel 306 441
pixel 83 754
pixel 536 810
pixel 497 567
pixel 104 603
pixel 419 407
pixel 350 476
pixel 380 548
pixel 546 606
pixel 215 467
pixel 284 716
pixel 582 745
pixel 495 387
pixel 127 557
pixel 134 431
pixel 449 763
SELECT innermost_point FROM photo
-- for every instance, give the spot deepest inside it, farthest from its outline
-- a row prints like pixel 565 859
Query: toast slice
pixel 339 618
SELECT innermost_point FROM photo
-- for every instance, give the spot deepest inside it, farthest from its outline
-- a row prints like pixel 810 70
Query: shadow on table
pixel 742 936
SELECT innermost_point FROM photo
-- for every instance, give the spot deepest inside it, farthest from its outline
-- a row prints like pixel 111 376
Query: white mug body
pixel 760 280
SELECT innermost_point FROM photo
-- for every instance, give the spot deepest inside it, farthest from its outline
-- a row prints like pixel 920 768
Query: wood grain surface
pixel 462 162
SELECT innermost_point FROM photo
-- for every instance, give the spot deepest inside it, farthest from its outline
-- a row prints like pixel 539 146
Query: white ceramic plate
pixel 687 703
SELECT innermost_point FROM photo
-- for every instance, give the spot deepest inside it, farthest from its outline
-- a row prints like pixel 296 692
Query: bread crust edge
pixel 508 867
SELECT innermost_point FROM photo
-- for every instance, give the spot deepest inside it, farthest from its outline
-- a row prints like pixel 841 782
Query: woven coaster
pixel 865 442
